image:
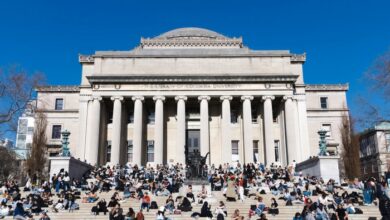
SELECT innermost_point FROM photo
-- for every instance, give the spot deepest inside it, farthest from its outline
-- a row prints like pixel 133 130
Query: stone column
pixel 116 130
pixel 93 129
pixel 290 128
pixel 226 149
pixel 247 120
pixel 268 130
pixel 303 130
pixel 137 130
pixel 159 129
pixel 83 115
pixel 204 126
pixel 181 129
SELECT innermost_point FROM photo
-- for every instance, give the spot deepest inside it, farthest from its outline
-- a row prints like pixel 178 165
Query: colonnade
pixel 90 121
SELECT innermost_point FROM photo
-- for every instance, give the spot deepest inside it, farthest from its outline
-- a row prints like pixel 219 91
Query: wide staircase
pixel 285 212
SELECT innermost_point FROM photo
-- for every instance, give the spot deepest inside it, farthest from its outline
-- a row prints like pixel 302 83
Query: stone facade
pixel 375 150
pixel 189 90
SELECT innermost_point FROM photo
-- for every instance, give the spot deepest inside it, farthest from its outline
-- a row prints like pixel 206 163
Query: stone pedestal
pixel 74 167
pixel 326 167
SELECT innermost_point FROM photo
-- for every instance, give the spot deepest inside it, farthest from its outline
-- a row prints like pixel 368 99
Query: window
pixel 324 102
pixel 23 126
pixel 235 151
pixel 130 119
pixel 234 117
pixel 108 153
pixel 59 104
pixel 328 129
pixel 254 115
pixel 21 138
pixel 277 154
pixel 387 136
pixel 150 151
pixel 56 132
pixel 255 150
pixel 151 118
pixel 130 151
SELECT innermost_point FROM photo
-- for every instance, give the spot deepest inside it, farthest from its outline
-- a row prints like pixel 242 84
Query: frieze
pixel 191 87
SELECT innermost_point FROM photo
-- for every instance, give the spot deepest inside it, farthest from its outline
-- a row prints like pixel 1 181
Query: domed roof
pixel 191 32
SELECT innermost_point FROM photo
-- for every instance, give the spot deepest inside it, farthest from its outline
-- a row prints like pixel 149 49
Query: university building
pixel 375 150
pixel 193 90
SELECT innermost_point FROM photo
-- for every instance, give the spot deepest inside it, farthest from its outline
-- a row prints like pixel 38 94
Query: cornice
pixel 86 58
pixel 298 58
pixel 201 78
pixel 155 43
pixel 59 88
pixel 327 87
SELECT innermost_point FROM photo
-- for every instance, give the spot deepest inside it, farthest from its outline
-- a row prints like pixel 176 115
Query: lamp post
pixel 322 143
pixel 65 143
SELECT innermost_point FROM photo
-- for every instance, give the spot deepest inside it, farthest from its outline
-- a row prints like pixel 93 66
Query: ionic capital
pixel 120 98
pixel 289 97
pixel 159 97
pixel 140 98
pixel 204 97
pixel 271 97
pixel 98 98
pixel 181 97
pixel 246 97
pixel 226 97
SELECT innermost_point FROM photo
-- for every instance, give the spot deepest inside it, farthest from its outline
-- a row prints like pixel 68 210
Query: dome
pixel 191 32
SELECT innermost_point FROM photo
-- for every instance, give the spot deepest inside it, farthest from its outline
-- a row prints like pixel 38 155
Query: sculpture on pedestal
pixel 322 143
pixel 65 143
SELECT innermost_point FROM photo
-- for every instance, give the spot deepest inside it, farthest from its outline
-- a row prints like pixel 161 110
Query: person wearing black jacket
pixel 205 211
pixel 102 207
pixel 384 203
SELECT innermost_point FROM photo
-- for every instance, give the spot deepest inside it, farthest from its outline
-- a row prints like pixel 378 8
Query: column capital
pixel 287 97
pixel 204 97
pixel 245 97
pixel 134 98
pixel 226 97
pixel 265 97
pixel 181 97
pixel 98 98
pixel 159 97
pixel 120 98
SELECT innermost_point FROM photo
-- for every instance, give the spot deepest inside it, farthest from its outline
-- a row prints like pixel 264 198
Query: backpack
pixel 358 211
pixel 153 205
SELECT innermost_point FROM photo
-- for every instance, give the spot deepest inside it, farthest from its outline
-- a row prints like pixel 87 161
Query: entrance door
pixel 193 141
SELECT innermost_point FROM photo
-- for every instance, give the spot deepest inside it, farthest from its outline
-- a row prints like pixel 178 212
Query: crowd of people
pixel 319 200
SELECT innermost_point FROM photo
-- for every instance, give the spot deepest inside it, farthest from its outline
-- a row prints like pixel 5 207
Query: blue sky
pixel 341 38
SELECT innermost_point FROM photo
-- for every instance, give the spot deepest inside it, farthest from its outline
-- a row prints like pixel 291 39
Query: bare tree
pixel 350 152
pixel 36 159
pixel 374 104
pixel 9 165
pixel 16 90
pixel 379 75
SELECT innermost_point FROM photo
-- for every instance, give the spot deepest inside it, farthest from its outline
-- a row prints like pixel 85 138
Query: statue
pixel 65 142
pixel 323 151
pixel 195 165
pixel 203 159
